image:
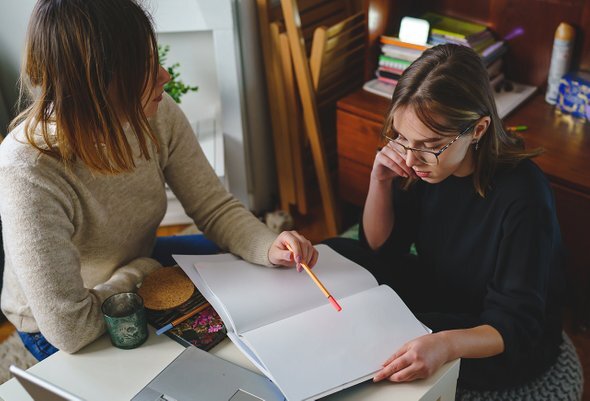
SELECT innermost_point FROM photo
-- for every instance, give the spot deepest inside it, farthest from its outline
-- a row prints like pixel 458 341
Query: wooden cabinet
pixel 566 162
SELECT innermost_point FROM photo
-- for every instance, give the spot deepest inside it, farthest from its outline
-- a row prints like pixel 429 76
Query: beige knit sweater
pixel 73 237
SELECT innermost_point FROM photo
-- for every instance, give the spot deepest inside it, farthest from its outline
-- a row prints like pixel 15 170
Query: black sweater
pixel 493 260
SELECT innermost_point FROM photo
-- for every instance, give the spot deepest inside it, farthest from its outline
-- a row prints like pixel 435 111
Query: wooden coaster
pixel 166 288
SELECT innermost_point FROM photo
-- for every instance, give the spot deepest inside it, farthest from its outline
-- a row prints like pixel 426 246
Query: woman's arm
pixel 424 355
pixel 215 211
pixel 44 265
pixel 194 182
pixel 378 215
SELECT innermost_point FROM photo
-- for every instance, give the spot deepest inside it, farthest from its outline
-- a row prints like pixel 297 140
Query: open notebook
pixel 283 323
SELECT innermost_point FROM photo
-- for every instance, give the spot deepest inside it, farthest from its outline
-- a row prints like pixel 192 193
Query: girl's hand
pixel 303 250
pixel 417 359
pixel 389 164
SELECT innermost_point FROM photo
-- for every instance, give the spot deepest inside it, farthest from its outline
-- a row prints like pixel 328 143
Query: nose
pixel 411 159
pixel 163 76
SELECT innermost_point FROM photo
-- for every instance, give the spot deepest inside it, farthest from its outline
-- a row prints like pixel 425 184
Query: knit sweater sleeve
pixel 38 221
pixel 216 212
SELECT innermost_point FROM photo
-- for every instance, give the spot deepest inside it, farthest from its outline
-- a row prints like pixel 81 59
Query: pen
pixel 515 128
pixel 318 283
pixel 511 35
pixel 181 319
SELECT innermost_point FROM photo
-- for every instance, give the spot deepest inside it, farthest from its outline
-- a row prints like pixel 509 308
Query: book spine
pixel 401 52
pixel 379 88
pixel 385 61
pixel 390 70
pixel 390 40
pixel 448 34
pixel 388 81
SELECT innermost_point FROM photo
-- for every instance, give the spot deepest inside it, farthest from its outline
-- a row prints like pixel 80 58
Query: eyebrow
pixel 427 140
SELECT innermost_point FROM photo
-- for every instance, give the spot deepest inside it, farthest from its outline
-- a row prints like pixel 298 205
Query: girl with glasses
pixel 82 176
pixel 462 224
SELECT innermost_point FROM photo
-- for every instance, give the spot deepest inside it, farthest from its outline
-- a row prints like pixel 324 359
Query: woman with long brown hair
pixel 486 271
pixel 83 170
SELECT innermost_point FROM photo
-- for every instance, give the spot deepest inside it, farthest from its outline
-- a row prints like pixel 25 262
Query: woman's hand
pixel 389 164
pixel 303 250
pixel 417 359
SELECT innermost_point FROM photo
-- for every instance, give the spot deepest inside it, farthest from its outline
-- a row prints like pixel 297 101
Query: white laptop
pixel 39 389
pixel 196 375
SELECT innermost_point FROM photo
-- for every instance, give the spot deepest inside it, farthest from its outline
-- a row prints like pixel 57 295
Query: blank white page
pixel 257 295
pixel 319 352
pixel 186 263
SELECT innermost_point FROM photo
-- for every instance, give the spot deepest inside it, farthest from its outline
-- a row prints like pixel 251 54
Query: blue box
pixel 574 94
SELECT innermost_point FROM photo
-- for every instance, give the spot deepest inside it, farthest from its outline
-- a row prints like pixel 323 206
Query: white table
pixel 102 372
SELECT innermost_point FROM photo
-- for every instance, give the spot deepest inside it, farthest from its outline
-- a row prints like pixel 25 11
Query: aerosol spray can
pixel 560 59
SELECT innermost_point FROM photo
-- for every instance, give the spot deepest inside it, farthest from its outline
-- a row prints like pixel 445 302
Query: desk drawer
pixel 353 181
pixel 573 212
pixel 358 138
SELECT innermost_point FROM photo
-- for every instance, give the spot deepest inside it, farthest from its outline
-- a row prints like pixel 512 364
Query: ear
pixel 481 128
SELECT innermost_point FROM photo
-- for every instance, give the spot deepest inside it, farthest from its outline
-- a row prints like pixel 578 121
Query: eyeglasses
pixel 425 156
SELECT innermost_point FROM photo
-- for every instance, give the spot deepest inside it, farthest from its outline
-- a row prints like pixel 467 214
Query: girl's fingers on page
pixel 399 353
pixel 404 375
pixel 393 367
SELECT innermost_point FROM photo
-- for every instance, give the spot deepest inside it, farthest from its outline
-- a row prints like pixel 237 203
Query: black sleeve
pixel 403 234
pixel 516 297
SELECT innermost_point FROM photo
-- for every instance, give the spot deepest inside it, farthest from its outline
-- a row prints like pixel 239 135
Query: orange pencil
pixel 318 283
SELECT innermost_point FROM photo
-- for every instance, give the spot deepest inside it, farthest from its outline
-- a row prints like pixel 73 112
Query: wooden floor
pixel 6 329
pixel 312 227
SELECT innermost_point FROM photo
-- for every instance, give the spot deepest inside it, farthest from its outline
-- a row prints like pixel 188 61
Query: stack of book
pixel 397 55
pixel 445 29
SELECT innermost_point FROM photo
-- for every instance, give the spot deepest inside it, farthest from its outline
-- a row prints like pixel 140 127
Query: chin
pixel 429 180
pixel 432 179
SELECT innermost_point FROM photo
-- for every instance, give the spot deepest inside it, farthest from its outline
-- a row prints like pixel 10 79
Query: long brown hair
pixel 449 89
pixel 86 66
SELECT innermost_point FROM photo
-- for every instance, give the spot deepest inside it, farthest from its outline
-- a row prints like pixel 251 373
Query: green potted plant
pixel 175 87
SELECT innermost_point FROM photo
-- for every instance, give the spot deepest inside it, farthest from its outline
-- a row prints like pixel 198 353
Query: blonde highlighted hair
pixel 87 65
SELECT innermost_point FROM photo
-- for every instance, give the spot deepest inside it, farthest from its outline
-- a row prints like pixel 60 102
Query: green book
pixel 449 26
pixel 393 62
